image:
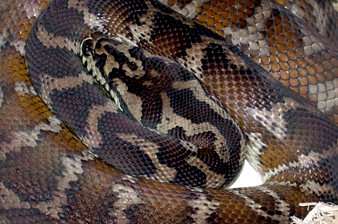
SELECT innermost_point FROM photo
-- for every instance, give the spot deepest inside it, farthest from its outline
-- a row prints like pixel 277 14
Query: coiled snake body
pixel 162 124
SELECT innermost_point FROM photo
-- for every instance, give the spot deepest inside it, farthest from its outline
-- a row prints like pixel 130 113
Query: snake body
pixel 107 151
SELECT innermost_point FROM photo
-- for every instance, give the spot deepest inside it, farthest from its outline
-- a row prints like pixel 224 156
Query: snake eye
pixel 87 47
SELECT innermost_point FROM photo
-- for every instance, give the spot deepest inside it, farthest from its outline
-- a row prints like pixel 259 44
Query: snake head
pixel 95 60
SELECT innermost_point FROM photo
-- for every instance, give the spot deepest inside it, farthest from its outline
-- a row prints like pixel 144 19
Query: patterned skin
pixel 49 175
pixel 297 47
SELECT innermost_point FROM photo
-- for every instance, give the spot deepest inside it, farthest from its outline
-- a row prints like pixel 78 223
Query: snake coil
pixel 137 114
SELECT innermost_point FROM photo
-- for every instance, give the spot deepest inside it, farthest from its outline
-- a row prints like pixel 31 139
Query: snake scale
pixel 121 111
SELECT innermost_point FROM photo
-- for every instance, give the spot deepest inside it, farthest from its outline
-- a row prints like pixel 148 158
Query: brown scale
pixel 234 99
pixel 91 195
pixel 295 196
pixel 233 204
pixel 292 175
pixel 299 69
pixel 305 138
pixel 92 202
pixel 320 16
pixel 25 109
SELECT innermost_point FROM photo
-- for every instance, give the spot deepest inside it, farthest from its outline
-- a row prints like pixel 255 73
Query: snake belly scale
pixel 137 114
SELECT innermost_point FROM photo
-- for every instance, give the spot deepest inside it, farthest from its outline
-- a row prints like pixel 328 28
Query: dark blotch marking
pixel 151 100
pixel 61 63
pixel 191 33
pixel 207 152
pixel 149 94
pixel 119 57
pixel 73 105
pixel 130 11
pixel 100 61
pixel 56 62
pixel 190 176
pixel 215 56
pixel 115 72
pixel 123 155
pixel 186 105
pixel 167 29
pixel 158 77
pixel 162 7
pixel 132 160
pixel 61 20
pixel 21 171
pixel 261 88
pixel 315 132
pixel 172 154
pixel 31 215
pixel 330 167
